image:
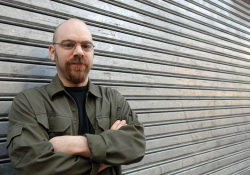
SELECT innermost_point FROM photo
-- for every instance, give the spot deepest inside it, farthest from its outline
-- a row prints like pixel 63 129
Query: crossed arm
pixel 29 146
pixel 78 145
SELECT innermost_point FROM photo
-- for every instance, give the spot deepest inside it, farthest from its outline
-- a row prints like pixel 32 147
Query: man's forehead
pixel 73 27
pixel 72 22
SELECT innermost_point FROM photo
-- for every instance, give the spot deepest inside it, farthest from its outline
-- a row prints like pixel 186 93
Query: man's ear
pixel 52 52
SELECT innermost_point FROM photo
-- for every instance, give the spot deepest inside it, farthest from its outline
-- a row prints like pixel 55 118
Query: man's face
pixel 73 65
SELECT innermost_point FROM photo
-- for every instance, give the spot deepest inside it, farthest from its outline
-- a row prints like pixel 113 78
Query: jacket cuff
pixel 97 146
pixel 95 168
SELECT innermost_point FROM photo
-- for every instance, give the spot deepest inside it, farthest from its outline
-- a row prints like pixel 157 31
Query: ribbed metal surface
pixel 182 65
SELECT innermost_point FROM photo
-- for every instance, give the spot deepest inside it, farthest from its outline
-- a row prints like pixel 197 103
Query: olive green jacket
pixel 40 113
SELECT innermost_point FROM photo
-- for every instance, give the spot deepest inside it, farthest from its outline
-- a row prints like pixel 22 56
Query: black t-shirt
pixel 79 95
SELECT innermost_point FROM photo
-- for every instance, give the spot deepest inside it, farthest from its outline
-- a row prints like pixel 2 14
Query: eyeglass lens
pixel 72 45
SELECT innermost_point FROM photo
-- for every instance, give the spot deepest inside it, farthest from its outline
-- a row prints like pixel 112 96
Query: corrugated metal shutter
pixel 184 67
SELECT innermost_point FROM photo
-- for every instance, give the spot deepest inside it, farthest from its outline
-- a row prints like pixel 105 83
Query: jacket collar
pixel 56 86
pixel 93 89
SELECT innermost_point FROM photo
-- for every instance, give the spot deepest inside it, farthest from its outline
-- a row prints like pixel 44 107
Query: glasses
pixel 70 45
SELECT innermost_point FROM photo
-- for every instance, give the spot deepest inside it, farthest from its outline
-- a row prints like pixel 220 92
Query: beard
pixel 75 75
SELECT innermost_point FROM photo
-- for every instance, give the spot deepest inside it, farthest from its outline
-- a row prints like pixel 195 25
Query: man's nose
pixel 78 50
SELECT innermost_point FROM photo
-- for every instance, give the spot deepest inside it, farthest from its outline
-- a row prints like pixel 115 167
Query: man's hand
pixel 75 145
pixel 118 124
pixel 103 166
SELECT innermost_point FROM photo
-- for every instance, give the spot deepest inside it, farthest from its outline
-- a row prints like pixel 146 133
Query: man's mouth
pixel 78 64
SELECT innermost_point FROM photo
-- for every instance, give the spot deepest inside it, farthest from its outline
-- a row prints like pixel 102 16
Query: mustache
pixel 78 60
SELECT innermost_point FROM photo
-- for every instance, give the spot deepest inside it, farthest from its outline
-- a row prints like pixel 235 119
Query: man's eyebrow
pixel 66 40
pixel 87 41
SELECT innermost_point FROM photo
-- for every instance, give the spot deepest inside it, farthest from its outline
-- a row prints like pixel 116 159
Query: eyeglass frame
pixel 75 45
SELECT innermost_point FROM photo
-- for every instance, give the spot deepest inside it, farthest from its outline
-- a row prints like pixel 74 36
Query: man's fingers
pixel 118 124
pixel 123 122
pixel 114 126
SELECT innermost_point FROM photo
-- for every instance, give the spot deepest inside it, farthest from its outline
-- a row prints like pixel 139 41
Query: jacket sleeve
pixel 30 150
pixel 123 146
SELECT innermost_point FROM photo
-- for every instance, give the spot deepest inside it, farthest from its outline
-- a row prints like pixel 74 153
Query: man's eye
pixel 68 45
pixel 86 46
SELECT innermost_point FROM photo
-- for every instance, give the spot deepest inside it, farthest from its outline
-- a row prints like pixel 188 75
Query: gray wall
pixel 184 67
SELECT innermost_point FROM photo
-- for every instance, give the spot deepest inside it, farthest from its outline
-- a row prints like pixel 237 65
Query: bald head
pixel 69 24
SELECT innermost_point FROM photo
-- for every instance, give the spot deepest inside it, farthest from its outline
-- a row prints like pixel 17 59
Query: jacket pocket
pixel 43 120
pixel 16 153
pixel 59 126
pixel 104 123
pixel 14 132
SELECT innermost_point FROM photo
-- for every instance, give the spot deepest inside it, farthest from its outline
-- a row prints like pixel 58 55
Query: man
pixel 72 126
